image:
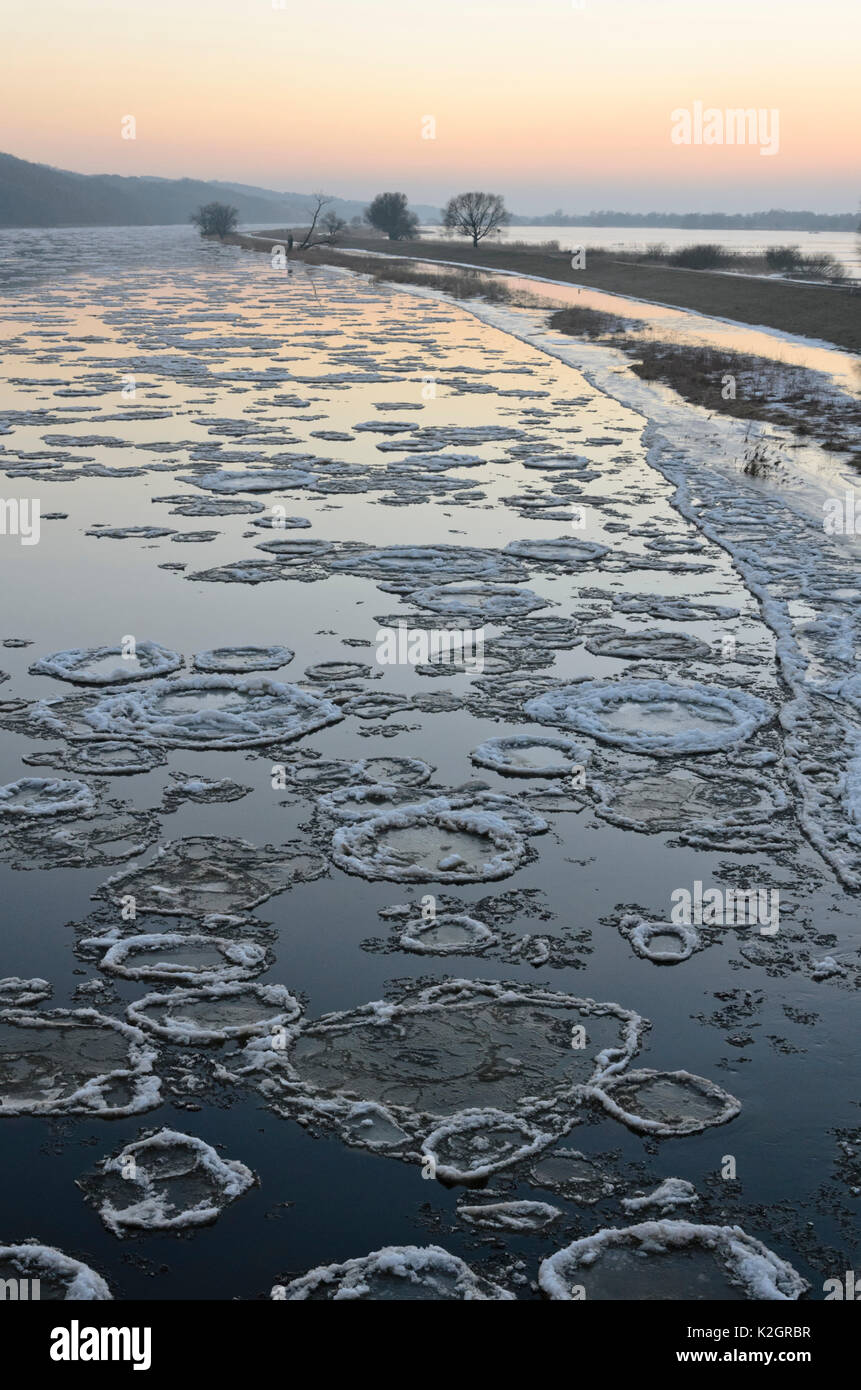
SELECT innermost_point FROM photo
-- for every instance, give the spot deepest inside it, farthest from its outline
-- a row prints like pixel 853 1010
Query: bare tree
pixel 475 214
pixel 321 200
pixel 215 219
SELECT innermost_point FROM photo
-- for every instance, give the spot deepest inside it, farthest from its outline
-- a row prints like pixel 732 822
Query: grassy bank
pixel 762 388
pixel 827 312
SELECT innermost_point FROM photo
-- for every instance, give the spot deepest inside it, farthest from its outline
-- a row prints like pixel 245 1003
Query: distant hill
pixel 776 219
pixel 37 195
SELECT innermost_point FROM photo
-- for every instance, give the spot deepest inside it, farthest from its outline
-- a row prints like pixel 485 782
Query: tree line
pixel 475 215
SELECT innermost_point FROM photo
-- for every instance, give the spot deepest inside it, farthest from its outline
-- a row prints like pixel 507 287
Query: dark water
pixel 83 310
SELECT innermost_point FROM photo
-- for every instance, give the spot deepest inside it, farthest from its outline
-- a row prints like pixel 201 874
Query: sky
pixel 552 103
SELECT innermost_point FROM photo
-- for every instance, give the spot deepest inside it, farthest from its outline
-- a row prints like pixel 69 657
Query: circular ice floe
pixel 665 943
pixel 203 874
pixel 169 1181
pixel 107 665
pixel 656 717
pixel 697 801
pixel 407 772
pixel 401 566
pixel 258 480
pixel 194 1016
pixel 564 550
pixel 476 1073
pixel 648 646
pixel 127 533
pixel 46 796
pixel 182 957
pixel 667 1103
pixel 525 755
pixel 326 672
pixel 241 659
pixel 109 836
pixel 447 934
pixel 475 1144
pixel 429 842
pixel 58 1275
pixel 212 712
pixel 669 1260
pixel 109 758
pixel 74 1062
pixel 296 547
pixel 522 1217
pixel 478 602
pixel 399 1272
pixel 572 1174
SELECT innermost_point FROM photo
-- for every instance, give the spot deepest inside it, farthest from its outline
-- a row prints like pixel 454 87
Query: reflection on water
pixel 139 363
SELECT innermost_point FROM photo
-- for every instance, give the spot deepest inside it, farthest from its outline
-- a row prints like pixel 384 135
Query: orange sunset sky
pixel 552 103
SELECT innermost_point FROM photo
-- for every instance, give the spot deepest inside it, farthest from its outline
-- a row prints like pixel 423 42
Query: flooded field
pixel 430 802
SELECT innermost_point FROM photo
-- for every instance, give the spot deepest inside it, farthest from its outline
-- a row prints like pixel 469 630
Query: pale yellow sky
pixel 545 101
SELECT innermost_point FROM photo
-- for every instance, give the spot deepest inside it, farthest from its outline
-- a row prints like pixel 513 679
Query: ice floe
pixel 477 602
pixel 168 1181
pixel 205 874
pixel 107 758
pixel 108 665
pixel 653 716
pixel 526 755
pixel 573 1175
pixel 430 842
pixel 15 992
pixel 400 567
pixel 669 1260
pixel 46 796
pixel 218 711
pixel 449 933
pixel 474 1145
pixel 666 1103
pixel 648 645
pixel 664 943
pixel 400 1272
pixel 242 659
pixel 564 550
pixel 74 1062
pixel 671 1193
pixel 111 835
pixel 476 1074
pixel 215 1014
pixel 58 1275
pixel 519 1217
pixel 703 803
pixel 180 957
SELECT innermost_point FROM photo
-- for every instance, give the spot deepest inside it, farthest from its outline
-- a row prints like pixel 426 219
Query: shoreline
pixel 824 313
pixel 773 392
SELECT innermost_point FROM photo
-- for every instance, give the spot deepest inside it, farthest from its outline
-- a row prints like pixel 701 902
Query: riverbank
pixel 770 389
pixel 828 313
